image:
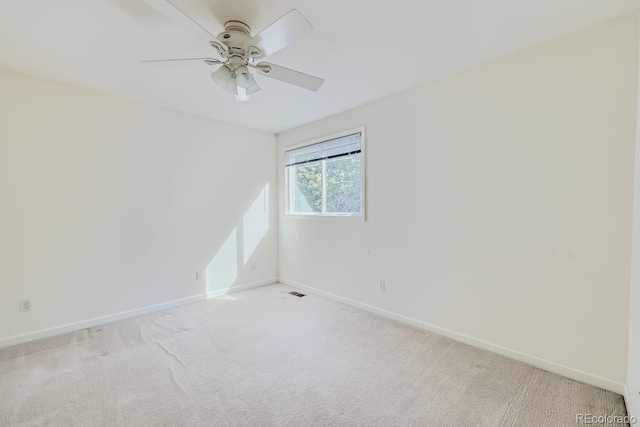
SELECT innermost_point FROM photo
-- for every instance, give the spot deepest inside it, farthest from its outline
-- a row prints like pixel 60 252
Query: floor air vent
pixel 298 294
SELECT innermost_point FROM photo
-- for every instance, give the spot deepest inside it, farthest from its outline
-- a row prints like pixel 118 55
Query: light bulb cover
pixel 253 88
pixel 244 77
pixel 244 88
pixel 222 76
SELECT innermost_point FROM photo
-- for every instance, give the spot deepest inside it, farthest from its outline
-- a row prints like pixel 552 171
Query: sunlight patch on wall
pixel 255 223
pixel 222 271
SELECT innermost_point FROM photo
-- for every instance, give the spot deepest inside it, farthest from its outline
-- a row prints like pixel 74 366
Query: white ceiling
pixel 365 49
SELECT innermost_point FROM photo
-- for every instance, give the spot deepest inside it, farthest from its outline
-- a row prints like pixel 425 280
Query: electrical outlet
pixel 381 285
pixel 253 265
pixel 25 304
pixel 199 275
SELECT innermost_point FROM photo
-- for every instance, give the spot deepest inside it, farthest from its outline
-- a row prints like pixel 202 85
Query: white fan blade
pixel 172 12
pixel 186 62
pixel 280 34
pixel 290 76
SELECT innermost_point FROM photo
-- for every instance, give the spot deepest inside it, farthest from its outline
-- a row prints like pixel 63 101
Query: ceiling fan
pixel 240 51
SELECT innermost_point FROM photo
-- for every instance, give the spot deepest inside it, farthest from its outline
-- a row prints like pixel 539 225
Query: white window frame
pixel 288 195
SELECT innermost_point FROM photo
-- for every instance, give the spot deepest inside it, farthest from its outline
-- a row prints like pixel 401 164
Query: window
pixel 326 177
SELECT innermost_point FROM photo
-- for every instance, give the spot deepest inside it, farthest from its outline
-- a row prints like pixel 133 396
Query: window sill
pixel 324 216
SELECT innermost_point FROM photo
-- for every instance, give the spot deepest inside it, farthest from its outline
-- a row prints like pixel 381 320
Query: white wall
pixel 499 205
pixel 633 370
pixel 110 205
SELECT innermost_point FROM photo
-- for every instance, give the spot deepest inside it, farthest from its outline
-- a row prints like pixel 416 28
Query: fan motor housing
pixel 235 35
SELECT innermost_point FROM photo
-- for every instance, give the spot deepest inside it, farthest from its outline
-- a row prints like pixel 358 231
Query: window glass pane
pixel 343 184
pixel 307 187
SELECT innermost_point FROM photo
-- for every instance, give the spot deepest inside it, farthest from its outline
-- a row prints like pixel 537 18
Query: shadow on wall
pixel 237 249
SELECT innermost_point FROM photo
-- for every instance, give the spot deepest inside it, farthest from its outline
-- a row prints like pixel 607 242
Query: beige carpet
pixel 266 358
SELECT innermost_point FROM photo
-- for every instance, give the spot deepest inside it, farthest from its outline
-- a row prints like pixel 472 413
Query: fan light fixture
pixel 222 76
pixel 239 82
pixel 244 77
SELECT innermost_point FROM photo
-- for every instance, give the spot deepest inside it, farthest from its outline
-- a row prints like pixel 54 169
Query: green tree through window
pixel 308 187
pixel 325 178
pixel 343 184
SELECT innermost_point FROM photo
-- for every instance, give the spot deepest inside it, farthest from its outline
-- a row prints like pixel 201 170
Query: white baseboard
pixel 89 323
pixel 547 365
pixel 94 321
pixel 239 288
pixel 628 401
